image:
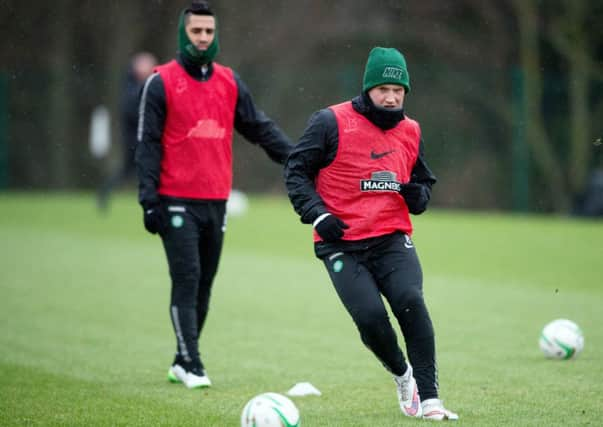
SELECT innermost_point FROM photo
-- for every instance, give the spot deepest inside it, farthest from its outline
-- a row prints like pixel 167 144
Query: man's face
pixel 143 65
pixel 201 30
pixel 387 96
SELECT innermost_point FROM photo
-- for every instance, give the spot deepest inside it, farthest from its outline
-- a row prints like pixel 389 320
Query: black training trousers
pixel 193 243
pixel 391 268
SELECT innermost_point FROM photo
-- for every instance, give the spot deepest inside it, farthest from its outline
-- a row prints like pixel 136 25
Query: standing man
pixel 141 66
pixel 188 110
pixel 356 175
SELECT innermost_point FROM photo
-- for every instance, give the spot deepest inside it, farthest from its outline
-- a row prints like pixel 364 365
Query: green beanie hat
pixel 385 66
pixel 185 46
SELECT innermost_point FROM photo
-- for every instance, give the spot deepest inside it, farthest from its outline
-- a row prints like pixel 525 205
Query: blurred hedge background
pixel 509 93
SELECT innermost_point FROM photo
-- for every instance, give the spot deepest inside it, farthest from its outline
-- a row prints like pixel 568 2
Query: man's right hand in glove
pixel 155 220
pixel 329 227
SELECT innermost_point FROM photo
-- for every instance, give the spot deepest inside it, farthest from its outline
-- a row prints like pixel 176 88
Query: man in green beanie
pixel 188 110
pixel 356 175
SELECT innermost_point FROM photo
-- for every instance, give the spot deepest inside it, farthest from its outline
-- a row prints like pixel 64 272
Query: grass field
pixel 85 337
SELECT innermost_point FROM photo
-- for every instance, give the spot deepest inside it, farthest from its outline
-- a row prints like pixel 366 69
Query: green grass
pixel 85 337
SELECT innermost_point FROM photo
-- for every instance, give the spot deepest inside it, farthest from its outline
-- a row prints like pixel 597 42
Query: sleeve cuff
pixel 320 219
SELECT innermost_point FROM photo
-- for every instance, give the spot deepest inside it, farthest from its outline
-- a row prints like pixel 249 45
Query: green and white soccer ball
pixel 270 410
pixel 237 204
pixel 561 339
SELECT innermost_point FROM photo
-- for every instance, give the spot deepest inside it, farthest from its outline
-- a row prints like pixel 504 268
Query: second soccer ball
pixel 270 410
pixel 561 339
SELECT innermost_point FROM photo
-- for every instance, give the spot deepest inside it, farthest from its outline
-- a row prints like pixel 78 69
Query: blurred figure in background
pixel 590 202
pixel 188 112
pixel 356 175
pixel 141 66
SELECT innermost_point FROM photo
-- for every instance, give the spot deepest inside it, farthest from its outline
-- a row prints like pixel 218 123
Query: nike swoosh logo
pixel 376 156
pixel 414 408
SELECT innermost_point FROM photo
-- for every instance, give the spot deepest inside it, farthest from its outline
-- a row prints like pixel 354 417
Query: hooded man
pixel 356 175
pixel 141 66
pixel 188 111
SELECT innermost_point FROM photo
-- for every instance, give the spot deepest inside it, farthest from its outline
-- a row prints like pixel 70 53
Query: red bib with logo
pixel 196 160
pixel 361 185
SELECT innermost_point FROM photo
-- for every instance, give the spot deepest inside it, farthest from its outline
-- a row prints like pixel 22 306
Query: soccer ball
pixel 237 204
pixel 561 339
pixel 270 410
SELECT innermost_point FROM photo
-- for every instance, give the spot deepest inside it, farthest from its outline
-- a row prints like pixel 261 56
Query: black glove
pixel 416 197
pixel 330 228
pixel 154 219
